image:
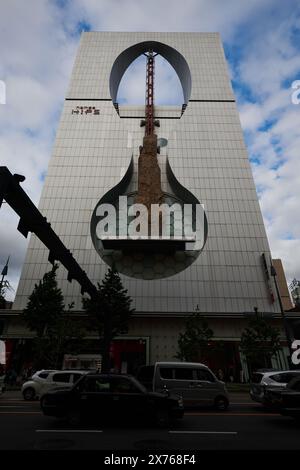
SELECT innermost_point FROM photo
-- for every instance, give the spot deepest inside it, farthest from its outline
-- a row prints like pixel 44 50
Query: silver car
pixel 267 380
pixel 44 380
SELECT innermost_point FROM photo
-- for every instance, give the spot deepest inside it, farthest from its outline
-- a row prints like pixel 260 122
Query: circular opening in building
pixel 132 88
pixel 166 53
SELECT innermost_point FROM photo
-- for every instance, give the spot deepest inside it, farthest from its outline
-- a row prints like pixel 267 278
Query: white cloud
pixel 15 245
pixel 166 15
pixel 254 115
pixel 36 58
pixel 271 58
pixel 272 63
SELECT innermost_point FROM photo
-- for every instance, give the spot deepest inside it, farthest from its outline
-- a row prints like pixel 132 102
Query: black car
pixel 111 397
pixel 286 401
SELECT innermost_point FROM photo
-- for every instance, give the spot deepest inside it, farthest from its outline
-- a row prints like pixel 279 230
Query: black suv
pixel 110 397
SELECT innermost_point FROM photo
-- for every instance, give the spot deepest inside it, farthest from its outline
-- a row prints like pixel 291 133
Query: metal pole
pixel 285 323
pixel 150 94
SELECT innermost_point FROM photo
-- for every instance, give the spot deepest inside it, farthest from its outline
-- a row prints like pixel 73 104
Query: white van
pixel 195 382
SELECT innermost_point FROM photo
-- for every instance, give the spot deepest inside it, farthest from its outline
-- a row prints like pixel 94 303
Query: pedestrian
pixel 220 375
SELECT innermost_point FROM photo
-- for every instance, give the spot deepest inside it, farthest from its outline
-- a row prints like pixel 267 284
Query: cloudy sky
pixel 38 42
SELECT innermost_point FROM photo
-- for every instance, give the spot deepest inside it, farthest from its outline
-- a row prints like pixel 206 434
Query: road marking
pixel 13 399
pixel 243 403
pixel 70 430
pixel 231 414
pixel 18 401
pixel 204 432
pixel 13 406
pixel 21 413
pixel 186 414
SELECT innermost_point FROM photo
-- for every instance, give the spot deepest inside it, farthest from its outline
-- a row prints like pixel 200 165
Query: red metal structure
pixel 149 112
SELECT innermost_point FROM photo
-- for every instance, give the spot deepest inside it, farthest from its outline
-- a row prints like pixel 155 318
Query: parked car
pixel 195 382
pixel 107 397
pixel 263 381
pixel 286 401
pixel 44 380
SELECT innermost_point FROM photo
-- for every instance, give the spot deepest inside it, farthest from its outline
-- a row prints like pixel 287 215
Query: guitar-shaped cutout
pixel 148 233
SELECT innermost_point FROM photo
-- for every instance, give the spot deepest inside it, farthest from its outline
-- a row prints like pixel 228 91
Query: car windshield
pixel 79 384
pixel 41 375
pixel 256 377
pixel 139 385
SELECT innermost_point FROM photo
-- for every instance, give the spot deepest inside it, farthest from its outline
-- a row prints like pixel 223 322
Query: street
pixel 244 426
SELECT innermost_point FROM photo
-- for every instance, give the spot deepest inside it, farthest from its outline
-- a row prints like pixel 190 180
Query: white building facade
pixel 97 141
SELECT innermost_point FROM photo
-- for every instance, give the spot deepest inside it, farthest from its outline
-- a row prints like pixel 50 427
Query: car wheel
pixel 74 417
pixel 162 418
pixel 29 393
pixel 221 403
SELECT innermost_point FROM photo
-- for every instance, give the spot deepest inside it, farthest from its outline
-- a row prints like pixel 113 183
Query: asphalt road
pixel 244 426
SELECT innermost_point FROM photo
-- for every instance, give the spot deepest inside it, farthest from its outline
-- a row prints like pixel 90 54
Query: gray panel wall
pixel 207 154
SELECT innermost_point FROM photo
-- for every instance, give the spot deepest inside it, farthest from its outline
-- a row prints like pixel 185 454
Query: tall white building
pixel 205 158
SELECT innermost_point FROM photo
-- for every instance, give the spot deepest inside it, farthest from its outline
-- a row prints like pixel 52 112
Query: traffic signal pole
pixel 31 220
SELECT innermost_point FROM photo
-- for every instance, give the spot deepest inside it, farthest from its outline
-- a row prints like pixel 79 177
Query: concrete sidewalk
pixel 12 394
pixel 240 398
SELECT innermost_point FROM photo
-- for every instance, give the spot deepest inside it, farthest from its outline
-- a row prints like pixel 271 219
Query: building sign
pixel 86 110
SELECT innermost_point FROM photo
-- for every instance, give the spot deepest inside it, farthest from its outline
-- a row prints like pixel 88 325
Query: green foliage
pixel 109 312
pixel 45 304
pixel 56 331
pixel 64 337
pixel 194 343
pixel 260 341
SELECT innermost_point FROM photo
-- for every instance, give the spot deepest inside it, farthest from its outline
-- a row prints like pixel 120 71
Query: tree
pixel 260 341
pixel 64 337
pixel 195 342
pixel 56 331
pixel 109 312
pixel 45 305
